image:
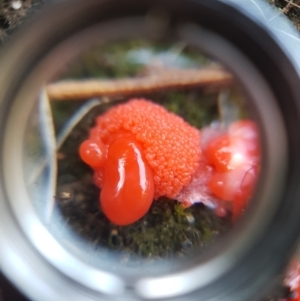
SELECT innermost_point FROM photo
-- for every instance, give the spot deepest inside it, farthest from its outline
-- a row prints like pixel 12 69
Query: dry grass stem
pixel 291 3
pixel 166 79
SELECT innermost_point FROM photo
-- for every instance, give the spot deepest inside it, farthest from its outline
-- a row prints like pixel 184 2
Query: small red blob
pixel 128 186
pixel 218 153
pixel 92 153
pixel 245 134
pixel 235 157
pixel 226 184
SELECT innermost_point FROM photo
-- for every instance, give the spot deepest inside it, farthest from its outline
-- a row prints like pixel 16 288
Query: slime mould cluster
pixel 167 229
pixel 139 152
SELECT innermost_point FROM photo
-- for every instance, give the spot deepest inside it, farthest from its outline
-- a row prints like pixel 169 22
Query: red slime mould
pixel 228 169
pixel 139 151
pixel 235 157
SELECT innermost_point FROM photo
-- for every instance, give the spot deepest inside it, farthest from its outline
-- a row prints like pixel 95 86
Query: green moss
pixel 167 230
pixel 195 107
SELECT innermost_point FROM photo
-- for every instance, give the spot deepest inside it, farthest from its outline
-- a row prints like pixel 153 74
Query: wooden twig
pixel 292 3
pixel 166 79
pixel 289 5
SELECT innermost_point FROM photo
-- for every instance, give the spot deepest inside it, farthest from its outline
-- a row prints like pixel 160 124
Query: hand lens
pixel 149 151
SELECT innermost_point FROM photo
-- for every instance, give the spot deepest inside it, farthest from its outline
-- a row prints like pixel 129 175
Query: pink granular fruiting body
pixel 171 146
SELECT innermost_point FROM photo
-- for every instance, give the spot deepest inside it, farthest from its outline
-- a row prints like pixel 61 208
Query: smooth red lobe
pixel 92 153
pixel 245 135
pixel 225 185
pixel 128 186
pixel 219 153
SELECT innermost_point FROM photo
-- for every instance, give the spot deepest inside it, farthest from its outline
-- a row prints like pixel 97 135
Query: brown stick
pixel 167 79
pixel 291 3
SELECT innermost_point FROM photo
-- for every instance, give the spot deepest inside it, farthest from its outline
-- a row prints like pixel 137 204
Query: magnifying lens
pixel 149 151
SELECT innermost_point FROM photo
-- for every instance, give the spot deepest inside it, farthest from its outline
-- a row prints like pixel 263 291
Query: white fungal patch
pixel 16 4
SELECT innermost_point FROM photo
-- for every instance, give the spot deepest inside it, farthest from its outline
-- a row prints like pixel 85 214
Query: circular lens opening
pixel 162 78
pixel 134 117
